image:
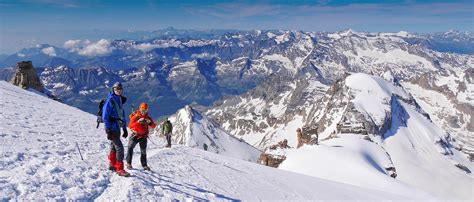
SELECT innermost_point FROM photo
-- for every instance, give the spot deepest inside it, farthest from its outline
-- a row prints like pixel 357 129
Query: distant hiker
pixel 114 119
pixel 139 123
pixel 299 136
pixel 167 131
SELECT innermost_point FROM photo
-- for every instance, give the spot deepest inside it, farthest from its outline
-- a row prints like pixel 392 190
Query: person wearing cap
pixel 114 120
pixel 139 125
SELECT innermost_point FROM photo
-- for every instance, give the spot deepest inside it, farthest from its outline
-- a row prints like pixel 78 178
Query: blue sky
pixel 26 22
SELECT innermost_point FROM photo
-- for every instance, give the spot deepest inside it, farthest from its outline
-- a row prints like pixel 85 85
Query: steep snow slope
pixel 424 157
pixel 193 129
pixel 448 97
pixel 40 160
pixel 391 131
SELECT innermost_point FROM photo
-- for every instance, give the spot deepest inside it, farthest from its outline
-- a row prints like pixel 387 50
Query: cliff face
pixel 26 77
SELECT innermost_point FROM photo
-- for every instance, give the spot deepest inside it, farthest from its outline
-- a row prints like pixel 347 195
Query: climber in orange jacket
pixel 139 124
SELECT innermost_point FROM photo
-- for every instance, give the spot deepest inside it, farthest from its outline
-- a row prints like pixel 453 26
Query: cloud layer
pixel 89 48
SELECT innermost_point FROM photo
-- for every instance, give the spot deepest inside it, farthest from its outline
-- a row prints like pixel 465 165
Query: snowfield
pixel 424 156
pixel 42 142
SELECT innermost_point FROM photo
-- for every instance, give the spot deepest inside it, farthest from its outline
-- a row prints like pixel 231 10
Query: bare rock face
pixel 26 77
pixel 282 145
pixel 271 160
pixel 274 155
pixel 309 137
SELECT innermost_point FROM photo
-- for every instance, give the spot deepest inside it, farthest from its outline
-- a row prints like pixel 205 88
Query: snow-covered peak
pixel 347 32
pixel 193 129
pixel 388 117
pixel 341 34
pixel 403 34
pixel 372 95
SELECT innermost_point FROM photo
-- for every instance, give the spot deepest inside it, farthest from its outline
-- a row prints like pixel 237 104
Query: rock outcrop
pixel 271 160
pixel 274 155
pixel 306 136
pixel 26 77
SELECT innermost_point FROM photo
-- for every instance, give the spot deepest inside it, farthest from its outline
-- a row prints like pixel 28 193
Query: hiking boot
pixel 123 173
pixel 112 168
pixel 128 166
pixel 146 168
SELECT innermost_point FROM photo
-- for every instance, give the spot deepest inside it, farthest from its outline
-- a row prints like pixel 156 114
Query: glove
pixel 125 133
pixel 141 120
pixel 110 134
pixel 149 122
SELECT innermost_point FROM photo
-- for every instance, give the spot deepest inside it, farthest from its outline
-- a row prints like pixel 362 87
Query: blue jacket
pixel 110 112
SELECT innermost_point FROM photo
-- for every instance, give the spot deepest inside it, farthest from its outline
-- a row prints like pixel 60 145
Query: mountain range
pixel 392 114
pixel 259 81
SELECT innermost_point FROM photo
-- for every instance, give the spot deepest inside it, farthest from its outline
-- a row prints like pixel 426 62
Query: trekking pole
pixel 77 145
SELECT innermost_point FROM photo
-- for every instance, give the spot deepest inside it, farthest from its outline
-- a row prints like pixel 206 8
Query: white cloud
pixel 49 51
pixel 102 47
pixel 89 48
pixel 72 45
pixel 145 47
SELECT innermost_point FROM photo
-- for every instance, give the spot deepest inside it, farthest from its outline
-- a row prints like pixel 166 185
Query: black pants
pixel 168 139
pixel 116 145
pixel 131 144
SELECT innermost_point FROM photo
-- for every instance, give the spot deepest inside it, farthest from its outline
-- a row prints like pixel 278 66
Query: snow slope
pixel 40 160
pixel 421 152
pixel 349 159
pixel 193 129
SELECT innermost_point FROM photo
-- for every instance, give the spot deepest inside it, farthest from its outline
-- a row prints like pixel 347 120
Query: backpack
pixel 167 127
pixel 134 112
pixel 99 113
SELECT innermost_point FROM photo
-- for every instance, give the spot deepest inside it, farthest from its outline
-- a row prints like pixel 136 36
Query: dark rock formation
pixel 271 160
pixel 282 145
pixel 26 77
pixel 307 136
pixel 391 171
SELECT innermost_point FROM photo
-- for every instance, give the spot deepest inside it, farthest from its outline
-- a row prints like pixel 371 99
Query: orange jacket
pixel 140 129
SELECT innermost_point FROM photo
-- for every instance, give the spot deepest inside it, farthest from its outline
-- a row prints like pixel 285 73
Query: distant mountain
pixel 193 129
pixel 452 41
pixel 384 105
pixel 270 112
pixel 171 72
